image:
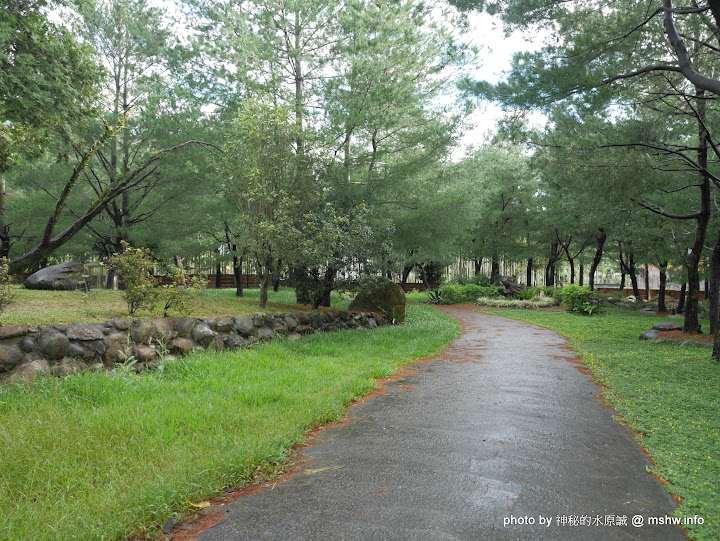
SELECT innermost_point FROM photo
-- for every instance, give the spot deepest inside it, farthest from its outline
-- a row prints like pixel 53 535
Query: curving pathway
pixel 500 430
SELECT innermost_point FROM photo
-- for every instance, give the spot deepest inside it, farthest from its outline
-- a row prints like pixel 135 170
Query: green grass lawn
pixel 35 307
pixel 113 455
pixel 669 395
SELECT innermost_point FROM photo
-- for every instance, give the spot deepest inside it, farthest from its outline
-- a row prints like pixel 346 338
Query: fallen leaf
pixel 201 505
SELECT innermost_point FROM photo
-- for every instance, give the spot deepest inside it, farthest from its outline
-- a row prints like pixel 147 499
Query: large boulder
pixel 64 276
pixel 384 296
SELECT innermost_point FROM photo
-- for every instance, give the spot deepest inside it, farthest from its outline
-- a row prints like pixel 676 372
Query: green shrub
pixel 455 294
pixel 535 302
pixel 7 293
pixel 134 266
pixel 178 294
pixel 578 299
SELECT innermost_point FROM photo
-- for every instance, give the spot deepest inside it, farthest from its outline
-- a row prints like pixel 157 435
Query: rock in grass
pixel 145 353
pixel 667 326
pixel 180 346
pixel 203 334
pixel 53 345
pixel 385 296
pixel 30 371
pixel 64 276
pixel 85 331
pixel 652 334
pixel 10 356
pixel 11 331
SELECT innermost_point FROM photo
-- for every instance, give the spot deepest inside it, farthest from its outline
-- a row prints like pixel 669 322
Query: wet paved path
pixel 503 426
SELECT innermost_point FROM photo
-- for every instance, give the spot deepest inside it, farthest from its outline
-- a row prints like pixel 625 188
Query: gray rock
pixel 291 322
pixel 162 329
pixel 11 331
pixel 244 326
pixel 64 276
pixel 217 343
pixel 667 326
pixel 225 325
pixel 264 334
pixel 28 372
pixel 84 331
pixel 209 321
pixel 202 334
pixel 68 366
pixel 117 344
pixel 280 327
pixel 96 367
pixel 10 356
pixel 304 329
pixel 184 325
pixel 180 346
pixel 259 319
pixel 652 334
pixel 121 324
pixel 293 337
pixel 385 296
pixel 233 341
pixel 141 330
pixel 27 344
pixel 145 353
pixel 53 345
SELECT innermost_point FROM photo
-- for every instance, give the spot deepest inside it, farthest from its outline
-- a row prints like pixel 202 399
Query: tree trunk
pixel 628 265
pixel 405 274
pixel 622 283
pixel 691 324
pixel 300 281
pixel 572 270
pixel 600 238
pixel 663 286
pixel 528 273
pixel 550 267
pixel 647 282
pixel 237 274
pixel 582 271
pixel 218 276
pixel 478 265
pixel 265 283
pixel 324 298
pixel 423 275
pixel 110 280
pixel 276 276
pixel 494 271
pixel 715 292
pixel 681 302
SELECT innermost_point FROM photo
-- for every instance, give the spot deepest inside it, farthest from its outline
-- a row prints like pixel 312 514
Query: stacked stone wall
pixel 27 352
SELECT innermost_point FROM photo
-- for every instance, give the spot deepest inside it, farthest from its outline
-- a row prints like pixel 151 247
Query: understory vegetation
pixel 113 455
pixel 669 395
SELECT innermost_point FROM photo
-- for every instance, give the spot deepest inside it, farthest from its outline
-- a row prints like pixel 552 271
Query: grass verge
pixel 108 456
pixel 35 307
pixel 667 394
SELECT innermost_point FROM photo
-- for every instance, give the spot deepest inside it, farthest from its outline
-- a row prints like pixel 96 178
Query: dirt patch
pixel 679 336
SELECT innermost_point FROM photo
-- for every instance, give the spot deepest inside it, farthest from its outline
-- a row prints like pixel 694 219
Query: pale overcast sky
pixel 496 51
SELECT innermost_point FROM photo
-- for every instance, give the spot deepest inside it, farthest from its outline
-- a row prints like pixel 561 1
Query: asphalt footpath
pixel 502 437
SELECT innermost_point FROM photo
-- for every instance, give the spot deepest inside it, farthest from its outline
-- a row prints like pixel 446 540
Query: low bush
pixel 134 265
pixel 535 302
pixel 456 294
pixel 578 299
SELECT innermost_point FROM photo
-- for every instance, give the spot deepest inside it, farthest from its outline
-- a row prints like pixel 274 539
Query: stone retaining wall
pixel 28 352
